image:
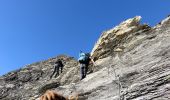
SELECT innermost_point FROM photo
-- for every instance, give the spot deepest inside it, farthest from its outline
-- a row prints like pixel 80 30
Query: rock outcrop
pixel 113 39
pixel 132 63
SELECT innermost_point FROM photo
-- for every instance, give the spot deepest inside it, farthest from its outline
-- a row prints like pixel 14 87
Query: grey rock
pixel 132 63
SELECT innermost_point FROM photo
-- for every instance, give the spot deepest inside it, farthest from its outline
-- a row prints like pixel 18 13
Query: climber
pixel 84 60
pixel 57 67
pixel 51 95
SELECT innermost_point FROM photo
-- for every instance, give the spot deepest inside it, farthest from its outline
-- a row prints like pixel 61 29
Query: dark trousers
pixel 83 70
pixel 56 71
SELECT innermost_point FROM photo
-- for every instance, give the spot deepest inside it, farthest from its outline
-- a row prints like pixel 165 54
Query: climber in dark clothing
pixel 57 67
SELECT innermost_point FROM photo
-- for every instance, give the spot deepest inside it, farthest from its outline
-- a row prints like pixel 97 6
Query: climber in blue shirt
pixel 84 60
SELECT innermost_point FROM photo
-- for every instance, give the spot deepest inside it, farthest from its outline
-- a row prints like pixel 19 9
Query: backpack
pixel 83 57
pixel 59 63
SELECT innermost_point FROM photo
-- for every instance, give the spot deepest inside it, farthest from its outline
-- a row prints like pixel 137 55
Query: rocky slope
pixel 32 80
pixel 132 63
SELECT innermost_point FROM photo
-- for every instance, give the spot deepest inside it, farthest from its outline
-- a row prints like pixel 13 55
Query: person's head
pixel 51 95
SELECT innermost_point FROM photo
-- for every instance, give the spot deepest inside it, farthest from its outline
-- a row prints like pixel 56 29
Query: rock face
pixel 111 39
pixel 132 63
pixel 27 83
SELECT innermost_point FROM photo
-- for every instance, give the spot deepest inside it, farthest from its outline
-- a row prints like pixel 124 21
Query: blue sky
pixel 35 30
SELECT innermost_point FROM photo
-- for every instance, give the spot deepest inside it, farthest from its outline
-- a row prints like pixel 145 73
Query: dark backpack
pixel 59 63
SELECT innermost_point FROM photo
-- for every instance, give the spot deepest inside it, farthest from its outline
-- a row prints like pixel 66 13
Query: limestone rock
pixel 112 38
pixel 132 63
pixel 34 79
